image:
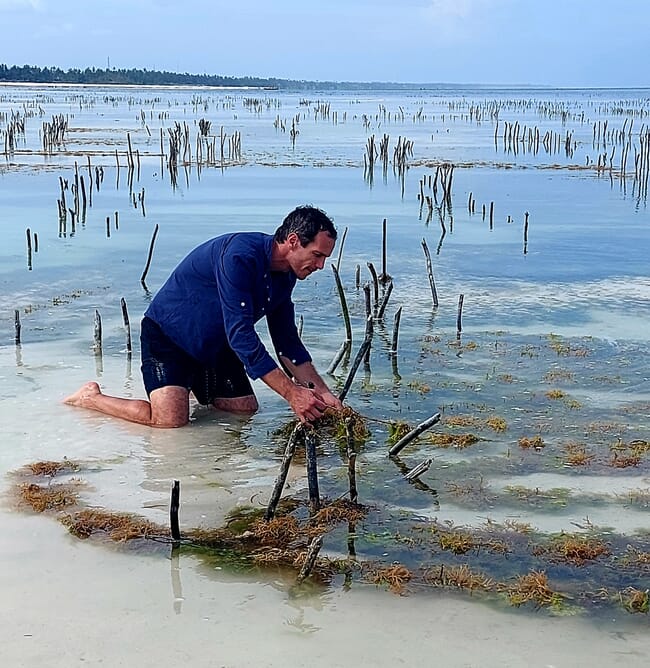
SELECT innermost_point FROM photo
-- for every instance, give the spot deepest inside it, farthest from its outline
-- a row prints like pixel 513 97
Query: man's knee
pixel 170 407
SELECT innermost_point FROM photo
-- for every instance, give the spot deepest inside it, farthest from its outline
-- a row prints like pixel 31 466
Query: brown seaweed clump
pixel 340 510
pixel 397 429
pixel 335 424
pixel 458 542
pixel 118 526
pixel 50 468
pixel 532 587
pixel 453 440
pixel 635 600
pixel 577 455
pixel 536 442
pixel 51 497
pixel 496 423
pixel 460 577
pixel 574 549
pixel 396 577
pixel 343 424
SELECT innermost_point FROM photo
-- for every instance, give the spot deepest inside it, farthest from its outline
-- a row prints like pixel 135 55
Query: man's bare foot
pixel 83 397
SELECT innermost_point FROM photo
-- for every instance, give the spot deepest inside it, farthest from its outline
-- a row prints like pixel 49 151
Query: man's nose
pixel 320 262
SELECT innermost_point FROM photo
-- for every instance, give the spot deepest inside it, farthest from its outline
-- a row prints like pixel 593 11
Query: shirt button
pixel 243 303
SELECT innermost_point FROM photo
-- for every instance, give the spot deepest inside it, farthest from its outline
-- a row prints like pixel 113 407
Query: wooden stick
pixel 384 301
pixel 97 346
pixel 149 256
pixel 310 557
pixel 342 351
pixel 526 233
pixel 312 471
pixel 29 248
pixel 357 361
pixel 418 470
pixel 432 282
pixel 338 260
pixel 375 285
pixel 352 459
pixel 398 316
pixel 413 434
pixel 344 305
pixel 127 324
pixel 284 471
pixel 173 510
pixel 459 324
pixel 17 326
pixel 384 274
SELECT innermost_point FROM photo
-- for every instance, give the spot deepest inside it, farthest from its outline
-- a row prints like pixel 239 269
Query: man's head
pixel 304 241
pixel 306 222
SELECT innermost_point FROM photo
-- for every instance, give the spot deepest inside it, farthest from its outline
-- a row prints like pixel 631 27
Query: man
pixel 198 333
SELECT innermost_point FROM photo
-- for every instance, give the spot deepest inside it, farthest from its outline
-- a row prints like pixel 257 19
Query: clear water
pixel 566 311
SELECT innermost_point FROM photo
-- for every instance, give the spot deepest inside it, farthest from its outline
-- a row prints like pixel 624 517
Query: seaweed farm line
pixel 492 254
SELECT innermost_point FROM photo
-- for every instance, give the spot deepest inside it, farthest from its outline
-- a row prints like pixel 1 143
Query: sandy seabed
pixel 69 603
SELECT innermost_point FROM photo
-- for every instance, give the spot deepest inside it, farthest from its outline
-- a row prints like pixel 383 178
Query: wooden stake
pixel 432 283
pixel 289 451
pixel 352 459
pixel 384 301
pixel 149 256
pixel 97 346
pixel 127 325
pixel 375 286
pixel 413 434
pixel 173 510
pixel 418 470
pixel 338 260
pixel 365 346
pixel 525 232
pixel 310 557
pixel 398 315
pixel 17 326
pixel 312 471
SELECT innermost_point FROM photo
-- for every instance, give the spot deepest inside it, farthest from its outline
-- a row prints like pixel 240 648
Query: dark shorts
pixel 164 363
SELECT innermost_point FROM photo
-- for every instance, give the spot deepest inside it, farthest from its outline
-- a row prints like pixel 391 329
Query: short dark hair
pixel 306 222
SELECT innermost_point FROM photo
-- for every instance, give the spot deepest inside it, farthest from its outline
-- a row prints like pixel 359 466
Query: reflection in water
pixel 177 588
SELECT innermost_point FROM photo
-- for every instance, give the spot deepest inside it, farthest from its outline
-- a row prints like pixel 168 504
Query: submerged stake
pixel 284 471
pixel 312 471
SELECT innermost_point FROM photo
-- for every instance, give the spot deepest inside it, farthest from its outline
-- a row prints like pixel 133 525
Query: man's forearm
pixel 306 375
pixel 278 381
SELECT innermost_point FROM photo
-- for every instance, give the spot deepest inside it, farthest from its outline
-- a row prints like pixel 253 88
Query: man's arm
pixel 306 375
pixel 306 403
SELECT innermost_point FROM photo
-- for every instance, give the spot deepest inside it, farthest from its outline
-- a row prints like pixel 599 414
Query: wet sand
pixel 71 603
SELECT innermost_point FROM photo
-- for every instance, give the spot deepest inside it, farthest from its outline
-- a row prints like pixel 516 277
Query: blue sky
pixel 547 42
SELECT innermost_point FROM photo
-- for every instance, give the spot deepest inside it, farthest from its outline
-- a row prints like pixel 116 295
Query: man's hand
pixel 307 404
pixel 331 400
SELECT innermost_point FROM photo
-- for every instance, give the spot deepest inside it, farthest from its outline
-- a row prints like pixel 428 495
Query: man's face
pixel 305 260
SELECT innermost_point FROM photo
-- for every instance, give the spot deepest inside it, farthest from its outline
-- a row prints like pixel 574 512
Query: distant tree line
pixel 144 77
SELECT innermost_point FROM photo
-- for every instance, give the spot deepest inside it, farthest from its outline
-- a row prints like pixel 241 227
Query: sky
pixel 567 43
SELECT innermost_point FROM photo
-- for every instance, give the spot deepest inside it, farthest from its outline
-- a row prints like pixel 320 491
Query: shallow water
pixel 568 314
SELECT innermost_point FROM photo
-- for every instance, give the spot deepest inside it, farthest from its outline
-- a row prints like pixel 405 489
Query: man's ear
pixel 293 240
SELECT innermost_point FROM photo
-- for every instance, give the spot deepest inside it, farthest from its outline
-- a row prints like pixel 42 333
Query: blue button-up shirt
pixel 217 294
